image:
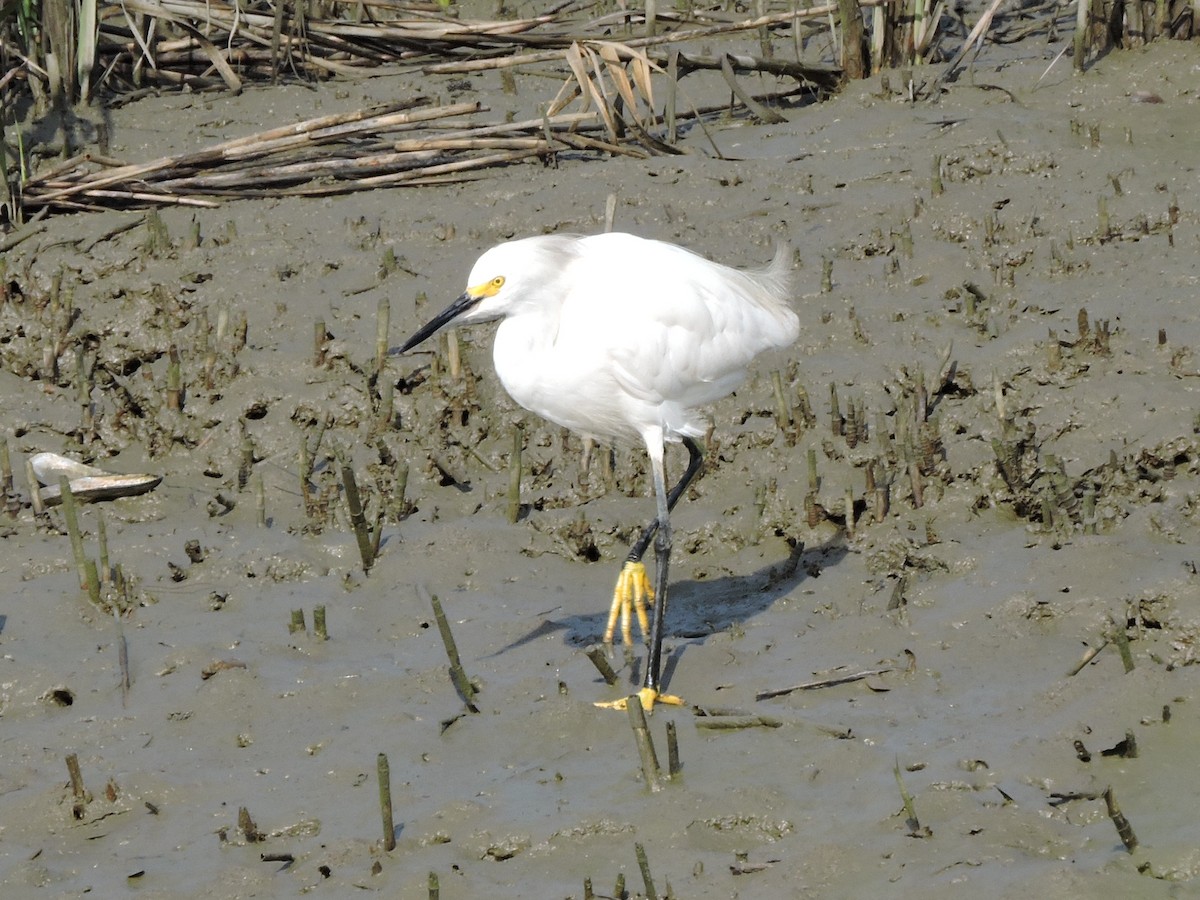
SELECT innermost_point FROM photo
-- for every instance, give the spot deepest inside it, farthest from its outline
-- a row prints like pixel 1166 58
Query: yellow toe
pixel 647 697
pixel 633 594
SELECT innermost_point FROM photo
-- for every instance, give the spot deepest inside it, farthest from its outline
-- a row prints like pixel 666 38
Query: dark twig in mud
pixel 674 766
pixel 358 519
pixel 514 474
pixel 823 683
pixel 600 661
pixel 645 744
pixel 1124 749
pixel 643 862
pixel 1124 829
pixel 248 827
pixel 77 789
pixel 88 576
pixel 910 812
pixel 383 315
pixel 735 723
pixel 122 655
pixel 458 675
pixel 12 505
pixel 384 774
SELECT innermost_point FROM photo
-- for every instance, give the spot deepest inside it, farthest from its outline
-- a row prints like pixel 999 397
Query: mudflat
pixel 900 699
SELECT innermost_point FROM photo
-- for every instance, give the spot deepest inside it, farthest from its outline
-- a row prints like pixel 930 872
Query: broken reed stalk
pixel 435 888
pixel 357 519
pixel 385 801
pixel 122 656
pixel 78 791
pixel 514 474
pixel 102 541
pixel 458 674
pixel 1124 829
pixel 377 532
pixel 319 627
pixel 383 314
pixel 1088 656
pixel 1081 27
pixel 6 473
pixel 174 380
pixel 296 625
pixel 783 415
pixel 910 812
pixel 674 767
pixel 260 501
pixel 88 579
pixel 600 661
pixel 735 723
pixel 453 354
pixel 645 745
pixel 248 826
pixel 644 864
pixel 35 490
pixel 320 343
pixel 246 458
pixel 386 418
pixel 1121 638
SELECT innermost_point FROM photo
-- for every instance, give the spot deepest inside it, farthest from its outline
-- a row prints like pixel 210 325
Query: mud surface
pixel 1058 507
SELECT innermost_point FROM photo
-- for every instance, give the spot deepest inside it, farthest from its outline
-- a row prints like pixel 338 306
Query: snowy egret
pixel 623 338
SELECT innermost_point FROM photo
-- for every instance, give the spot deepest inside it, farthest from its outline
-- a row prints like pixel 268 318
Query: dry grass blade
pixel 209 49
pixel 620 78
pixel 591 92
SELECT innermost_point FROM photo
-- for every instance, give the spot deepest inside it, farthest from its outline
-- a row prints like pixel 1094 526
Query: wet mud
pixel 893 600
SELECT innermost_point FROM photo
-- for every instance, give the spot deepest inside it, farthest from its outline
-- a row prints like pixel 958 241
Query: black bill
pixel 463 304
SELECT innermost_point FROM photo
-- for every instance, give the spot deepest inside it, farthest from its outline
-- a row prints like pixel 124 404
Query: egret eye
pixel 497 282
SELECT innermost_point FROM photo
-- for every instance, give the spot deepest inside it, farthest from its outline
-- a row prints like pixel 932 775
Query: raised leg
pixel 633 591
pixel 695 462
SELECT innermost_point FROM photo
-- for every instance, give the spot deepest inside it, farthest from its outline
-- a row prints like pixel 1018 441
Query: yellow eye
pixel 497 282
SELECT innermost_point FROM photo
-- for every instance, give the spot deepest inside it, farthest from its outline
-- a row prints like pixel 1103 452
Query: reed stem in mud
pixel 358 520
pixel 458 674
pixel 645 745
pixel 383 315
pixel 644 865
pixel 600 661
pixel 1124 829
pixel 385 801
pixel 514 474
pixel 674 766
pixel 71 515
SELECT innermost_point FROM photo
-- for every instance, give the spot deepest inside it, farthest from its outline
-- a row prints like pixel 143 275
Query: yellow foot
pixel 633 593
pixel 648 697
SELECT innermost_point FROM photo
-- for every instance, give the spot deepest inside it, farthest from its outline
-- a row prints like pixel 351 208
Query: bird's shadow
pixel 697 609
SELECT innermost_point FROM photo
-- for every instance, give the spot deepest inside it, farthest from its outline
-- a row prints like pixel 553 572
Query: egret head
pixel 504 277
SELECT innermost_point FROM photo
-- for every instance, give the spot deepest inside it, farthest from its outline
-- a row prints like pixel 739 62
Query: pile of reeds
pixel 405 143
pixel 621 71
pixel 606 104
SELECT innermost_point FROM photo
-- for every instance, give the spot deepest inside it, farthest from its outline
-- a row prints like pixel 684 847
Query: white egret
pixel 622 338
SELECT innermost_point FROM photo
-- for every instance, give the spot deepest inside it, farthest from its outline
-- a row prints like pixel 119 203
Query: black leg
pixel 695 463
pixel 662 561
